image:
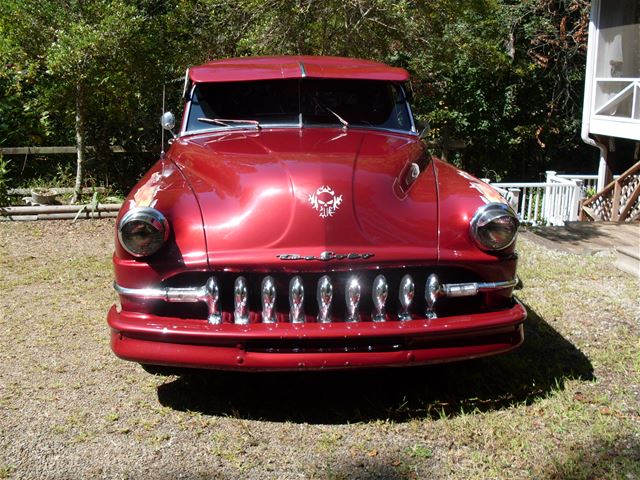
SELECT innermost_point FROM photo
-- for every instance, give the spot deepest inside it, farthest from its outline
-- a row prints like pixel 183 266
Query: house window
pixel 617 92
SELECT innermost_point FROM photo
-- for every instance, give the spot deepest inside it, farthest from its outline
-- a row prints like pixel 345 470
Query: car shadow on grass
pixel 541 365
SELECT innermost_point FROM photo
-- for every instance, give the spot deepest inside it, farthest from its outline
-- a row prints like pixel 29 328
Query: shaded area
pixel 369 469
pixel 586 237
pixel 543 363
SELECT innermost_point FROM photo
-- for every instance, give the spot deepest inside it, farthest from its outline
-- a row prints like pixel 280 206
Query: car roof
pixel 282 67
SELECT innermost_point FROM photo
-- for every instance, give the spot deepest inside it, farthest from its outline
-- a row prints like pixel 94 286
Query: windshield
pixel 298 102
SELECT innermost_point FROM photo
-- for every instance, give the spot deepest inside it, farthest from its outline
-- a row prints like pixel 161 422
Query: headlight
pixel 494 226
pixel 142 231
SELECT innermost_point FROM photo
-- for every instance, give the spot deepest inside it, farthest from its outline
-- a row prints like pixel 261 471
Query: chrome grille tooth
pixel 324 295
pixel 212 295
pixel 432 291
pixel 352 298
pixel 240 302
pixel 380 293
pixel 296 300
pixel 268 294
pixel 405 295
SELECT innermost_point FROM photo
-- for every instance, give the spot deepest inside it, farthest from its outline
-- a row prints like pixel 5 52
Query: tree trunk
pixel 80 142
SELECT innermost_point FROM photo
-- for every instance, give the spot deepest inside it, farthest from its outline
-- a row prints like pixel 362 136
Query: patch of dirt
pixel 586 238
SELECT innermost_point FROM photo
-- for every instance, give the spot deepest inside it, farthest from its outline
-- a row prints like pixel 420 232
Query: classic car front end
pixel 298 222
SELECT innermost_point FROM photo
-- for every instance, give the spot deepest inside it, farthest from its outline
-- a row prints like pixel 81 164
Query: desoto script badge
pixel 325 201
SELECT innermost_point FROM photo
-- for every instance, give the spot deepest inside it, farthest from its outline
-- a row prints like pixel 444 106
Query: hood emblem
pixel 325 201
pixel 326 256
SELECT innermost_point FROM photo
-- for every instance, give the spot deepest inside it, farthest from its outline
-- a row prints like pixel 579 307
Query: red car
pixel 297 221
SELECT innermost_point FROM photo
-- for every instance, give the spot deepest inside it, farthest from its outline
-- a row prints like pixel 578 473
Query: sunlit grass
pixel 564 405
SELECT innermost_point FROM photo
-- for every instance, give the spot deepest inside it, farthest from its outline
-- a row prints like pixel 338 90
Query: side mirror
pixel 168 121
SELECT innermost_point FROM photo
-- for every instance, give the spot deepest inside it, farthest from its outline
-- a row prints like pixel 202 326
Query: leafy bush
pixel 4 182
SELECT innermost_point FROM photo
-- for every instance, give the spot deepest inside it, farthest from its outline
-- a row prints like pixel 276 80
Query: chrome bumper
pixel 209 293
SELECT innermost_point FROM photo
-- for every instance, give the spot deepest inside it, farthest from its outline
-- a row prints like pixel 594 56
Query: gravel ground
pixel 565 405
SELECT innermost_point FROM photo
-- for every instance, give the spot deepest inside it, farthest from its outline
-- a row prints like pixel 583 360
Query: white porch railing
pixel 589 182
pixel 553 202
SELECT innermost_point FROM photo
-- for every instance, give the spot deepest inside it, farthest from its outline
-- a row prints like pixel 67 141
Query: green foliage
pixel 505 77
pixel 57 175
pixel 501 81
pixel 4 182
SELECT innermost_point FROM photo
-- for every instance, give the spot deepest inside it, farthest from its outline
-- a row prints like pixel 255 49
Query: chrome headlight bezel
pixel 487 214
pixel 149 216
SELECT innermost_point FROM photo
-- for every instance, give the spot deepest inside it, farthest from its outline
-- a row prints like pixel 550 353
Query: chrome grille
pixel 314 297
pixel 377 295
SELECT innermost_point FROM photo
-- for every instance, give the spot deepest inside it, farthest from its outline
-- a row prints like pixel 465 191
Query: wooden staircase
pixel 617 202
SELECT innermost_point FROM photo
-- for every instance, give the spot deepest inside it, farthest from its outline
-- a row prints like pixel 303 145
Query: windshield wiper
pixel 344 123
pixel 226 122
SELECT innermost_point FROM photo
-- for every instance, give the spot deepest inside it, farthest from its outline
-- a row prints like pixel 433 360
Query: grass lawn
pixel 564 405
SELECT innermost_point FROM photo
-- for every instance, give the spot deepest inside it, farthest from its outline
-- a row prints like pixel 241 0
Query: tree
pixel 504 76
pixel 86 56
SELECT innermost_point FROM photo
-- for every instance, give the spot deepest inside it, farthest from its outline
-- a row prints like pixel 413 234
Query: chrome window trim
pixel 408 105
pixel 187 112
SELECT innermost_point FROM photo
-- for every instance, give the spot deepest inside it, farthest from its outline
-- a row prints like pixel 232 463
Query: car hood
pixel 306 191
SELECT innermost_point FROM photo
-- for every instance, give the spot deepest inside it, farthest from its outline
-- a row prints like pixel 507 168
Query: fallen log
pixel 58 216
pixel 59 191
pixel 57 209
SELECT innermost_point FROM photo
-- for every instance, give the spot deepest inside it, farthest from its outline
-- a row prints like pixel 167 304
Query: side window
pixel 195 112
pixel 401 111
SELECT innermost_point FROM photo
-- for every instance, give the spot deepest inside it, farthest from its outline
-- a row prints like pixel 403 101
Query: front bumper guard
pixel 209 293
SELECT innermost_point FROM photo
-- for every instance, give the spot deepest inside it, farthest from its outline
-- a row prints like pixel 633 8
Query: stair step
pixel 628 259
